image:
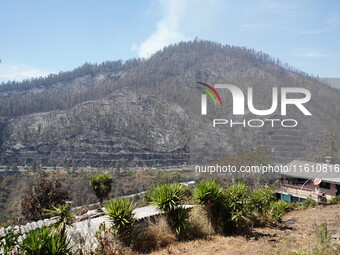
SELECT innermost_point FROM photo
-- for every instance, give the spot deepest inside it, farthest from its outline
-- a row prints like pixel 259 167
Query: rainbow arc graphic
pixel 211 91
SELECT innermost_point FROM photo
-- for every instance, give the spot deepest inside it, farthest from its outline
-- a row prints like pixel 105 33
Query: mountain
pixel 142 112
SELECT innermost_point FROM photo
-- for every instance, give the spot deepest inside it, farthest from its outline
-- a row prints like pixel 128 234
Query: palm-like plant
pixel 168 198
pixel 63 217
pixel 210 194
pixel 120 212
pixel 101 185
pixel 45 241
pixel 179 219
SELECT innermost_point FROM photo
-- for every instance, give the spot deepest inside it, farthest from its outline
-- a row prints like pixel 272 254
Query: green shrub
pixel 101 185
pixel 237 207
pixel 335 200
pixel 120 212
pixel 179 219
pixel 279 208
pixel 63 217
pixel 309 202
pixel 260 199
pixel 210 194
pixel 45 241
pixel 9 241
pixel 167 198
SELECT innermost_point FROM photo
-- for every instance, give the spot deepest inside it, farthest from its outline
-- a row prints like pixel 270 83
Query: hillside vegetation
pixel 142 112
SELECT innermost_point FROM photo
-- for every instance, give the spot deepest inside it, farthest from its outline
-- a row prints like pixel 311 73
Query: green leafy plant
pixel 45 241
pixel 168 198
pixel 101 185
pixel 260 199
pixel 179 219
pixel 63 217
pixel 9 241
pixel 335 200
pixel 309 202
pixel 279 208
pixel 120 212
pixel 210 194
pixel 236 198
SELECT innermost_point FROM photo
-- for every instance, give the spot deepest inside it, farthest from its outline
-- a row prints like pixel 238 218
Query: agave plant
pixel 210 194
pixel 168 198
pixel 63 217
pixel 45 241
pixel 120 212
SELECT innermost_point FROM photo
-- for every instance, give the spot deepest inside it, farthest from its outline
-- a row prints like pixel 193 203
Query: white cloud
pixel 19 72
pixel 168 29
pixel 182 20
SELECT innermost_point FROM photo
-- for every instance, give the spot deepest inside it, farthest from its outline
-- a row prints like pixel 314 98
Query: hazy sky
pixel 40 37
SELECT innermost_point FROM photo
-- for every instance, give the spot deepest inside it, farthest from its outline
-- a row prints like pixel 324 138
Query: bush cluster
pixel 233 209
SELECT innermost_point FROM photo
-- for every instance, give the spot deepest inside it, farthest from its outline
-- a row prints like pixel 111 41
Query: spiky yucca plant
pixel 120 212
pixel 210 194
pixel 179 219
pixel 63 217
pixel 45 241
pixel 101 185
pixel 168 198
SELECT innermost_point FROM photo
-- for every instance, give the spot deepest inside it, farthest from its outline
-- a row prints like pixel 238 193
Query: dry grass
pixel 199 226
pixel 161 233
pixel 117 249
pixel 293 239
pixel 157 235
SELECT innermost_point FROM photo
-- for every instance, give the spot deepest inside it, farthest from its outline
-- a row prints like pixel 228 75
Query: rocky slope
pixel 144 112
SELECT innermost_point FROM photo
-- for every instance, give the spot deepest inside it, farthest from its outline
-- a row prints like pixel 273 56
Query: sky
pixel 39 37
